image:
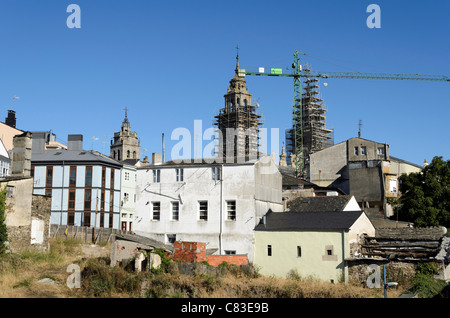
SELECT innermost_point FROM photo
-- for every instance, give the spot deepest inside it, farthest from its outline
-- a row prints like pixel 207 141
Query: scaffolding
pixel 315 135
pixel 239 128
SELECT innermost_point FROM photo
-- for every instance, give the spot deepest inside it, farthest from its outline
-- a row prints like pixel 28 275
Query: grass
pixel 20 276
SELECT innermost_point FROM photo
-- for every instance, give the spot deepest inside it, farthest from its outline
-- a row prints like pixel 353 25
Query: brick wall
pixel 190 252
pixel 216 260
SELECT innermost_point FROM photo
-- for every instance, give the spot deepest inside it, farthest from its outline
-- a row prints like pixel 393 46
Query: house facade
pixel 128 197
pixel 362 168
pixel 311 244
pixel 217 204
pixel 84 187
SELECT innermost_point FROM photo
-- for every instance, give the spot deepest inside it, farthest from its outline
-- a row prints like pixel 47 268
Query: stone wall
pixel 359 271
pixel 408 233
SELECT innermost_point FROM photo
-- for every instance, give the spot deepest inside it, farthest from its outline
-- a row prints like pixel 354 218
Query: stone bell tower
pixel 238 122
pixel 125 144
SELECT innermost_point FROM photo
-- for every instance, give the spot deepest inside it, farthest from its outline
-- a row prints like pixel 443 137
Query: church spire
pixel 237 60
pixel 125 121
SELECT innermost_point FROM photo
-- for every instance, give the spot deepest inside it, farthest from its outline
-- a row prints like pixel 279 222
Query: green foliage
pixel 424 284
pixel 3 232
pixel 425 199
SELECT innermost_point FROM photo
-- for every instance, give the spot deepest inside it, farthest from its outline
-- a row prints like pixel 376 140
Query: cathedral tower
pixel 238 122
pixel 125 143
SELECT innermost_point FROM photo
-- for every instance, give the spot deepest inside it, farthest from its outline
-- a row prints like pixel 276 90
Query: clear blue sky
pixel 170 62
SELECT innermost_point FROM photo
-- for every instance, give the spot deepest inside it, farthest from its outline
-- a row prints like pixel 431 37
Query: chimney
pixel 11 119
pixel 75 142
pixel 156 158
pixel 21 155
pixel 38 145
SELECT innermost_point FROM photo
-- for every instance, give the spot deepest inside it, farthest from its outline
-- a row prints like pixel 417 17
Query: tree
pixel 3 232
pixel 425 199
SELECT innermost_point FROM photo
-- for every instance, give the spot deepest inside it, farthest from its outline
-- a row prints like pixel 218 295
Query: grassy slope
pixel 20 275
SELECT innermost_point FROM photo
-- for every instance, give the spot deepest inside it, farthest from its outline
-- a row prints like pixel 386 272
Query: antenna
pixel 359 131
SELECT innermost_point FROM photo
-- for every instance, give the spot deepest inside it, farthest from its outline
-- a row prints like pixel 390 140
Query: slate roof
pixel 70 156
pixel 311 204
pixel 291 221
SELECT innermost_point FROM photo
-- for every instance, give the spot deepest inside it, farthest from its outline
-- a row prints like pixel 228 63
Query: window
pixel 356 151
pixel 88 178
pixel 230 252
pixel 127 176
pixel 49 177
pixel 175 210
pixel 111 184
pixel 156 175
pixel 156 210
pixel 203 210
pixel 73 176
pixel 70 218
pixel 87 219
pixel 380 151
pixel 215 173
pixel 125 197
pixel 71 205
pixel 111 219
pixel 363 150
pixel 329 254
pixel 171 238
pixel 102 219
pixel 180 177
pixel 111 201
pixel 231 210
pixel 269 250
pixel 299 251
pixel 103 177
pixel 102 201
pixel 87 200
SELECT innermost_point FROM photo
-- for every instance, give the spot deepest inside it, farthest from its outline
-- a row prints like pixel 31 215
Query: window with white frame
pixel 156 175
pixel 203 210
pixel 231 210
pixel 175 210
pixel 179 172
pixel 156 207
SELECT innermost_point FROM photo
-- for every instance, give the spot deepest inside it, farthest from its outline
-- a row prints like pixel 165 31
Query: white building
pixel 128 197
pixel 218 204
pixel 85 187
pixel 5 161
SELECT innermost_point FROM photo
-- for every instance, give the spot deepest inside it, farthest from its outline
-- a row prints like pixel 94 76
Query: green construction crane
pixel 296 72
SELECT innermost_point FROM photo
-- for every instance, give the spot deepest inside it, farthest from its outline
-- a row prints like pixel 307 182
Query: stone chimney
pixel 156 158
pixel 21 155
pixel 75 142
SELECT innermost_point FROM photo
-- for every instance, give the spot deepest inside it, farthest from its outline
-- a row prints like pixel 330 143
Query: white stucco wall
pixel 253 196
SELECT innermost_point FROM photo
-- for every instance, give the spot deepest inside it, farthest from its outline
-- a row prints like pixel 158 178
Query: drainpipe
pixel 343 256
pixel 62 192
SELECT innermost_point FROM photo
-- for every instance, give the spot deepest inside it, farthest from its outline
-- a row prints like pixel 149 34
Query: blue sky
pixel 170 62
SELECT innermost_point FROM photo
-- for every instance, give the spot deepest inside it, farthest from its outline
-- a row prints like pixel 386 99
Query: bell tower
pixel 125 144
pixel 238 122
